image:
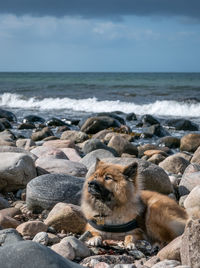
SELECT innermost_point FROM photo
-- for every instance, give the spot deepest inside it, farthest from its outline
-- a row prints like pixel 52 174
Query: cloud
pixel 114 9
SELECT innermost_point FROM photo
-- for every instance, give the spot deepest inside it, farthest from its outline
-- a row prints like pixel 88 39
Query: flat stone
pixel 31 254
pixel 47 190
pixel 16 170
pixel 60 143
pixel 75 136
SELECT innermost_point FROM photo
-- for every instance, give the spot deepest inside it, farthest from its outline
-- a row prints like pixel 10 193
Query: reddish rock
pixel 31 228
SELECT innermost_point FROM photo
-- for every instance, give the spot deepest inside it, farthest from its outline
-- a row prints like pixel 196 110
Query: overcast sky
pixel 106 35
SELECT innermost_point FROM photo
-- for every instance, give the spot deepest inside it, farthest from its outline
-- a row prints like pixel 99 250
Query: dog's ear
pixel 98 161
pixel 130 171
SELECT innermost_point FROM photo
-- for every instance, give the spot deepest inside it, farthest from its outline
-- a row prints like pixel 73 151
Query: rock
pixel 9 236
pixel 75 136
pixel 95 144
pixel 60 144
pixel 121 145
pixel 47 190
pixel 25 143
pixel 33 119
pixel 109 259
pixel 166 264
pixel 93 125
pixel 31 228
pixel 156 130
pixel 55 122
pixel 149 120
pixel 90 158
pixel 190 245
pixel 187 156
pixel 31 254
pixel 145 147
pixel 7 138
pixel 174 164
pixel 65 250
pixel 190 142
pixel 105 265
pixel 80 249
pixel 3 203
pixel 11 212
pixel 188 182
pixel 5 123
pixel 26 126
pixel 192 168
pixel 171 251
pixel 156 158
pixel 61 166
pixel 131 117
pixel 16 170
pixel 66 217
pixel 2 128
pixel 109 136
pixel 41 134
pixel 182 124
pixel 50 138
pixel 119 266
pixel 8 222
pixel 10 149
pixel 196 156
pixel 152 177
pixel 153 260
pixel 192 203
pixel 150 153
pixel 71 154
pixel 114 115
pixel 169 141
pixel 53 239
pixel 102 134
pixel 8 115
pixel 42 238
pixel 49 152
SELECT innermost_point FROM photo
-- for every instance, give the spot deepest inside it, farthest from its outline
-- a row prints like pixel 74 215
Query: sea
pixel 74 95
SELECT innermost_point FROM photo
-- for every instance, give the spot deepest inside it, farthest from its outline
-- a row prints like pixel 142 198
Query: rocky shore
pixel 42 174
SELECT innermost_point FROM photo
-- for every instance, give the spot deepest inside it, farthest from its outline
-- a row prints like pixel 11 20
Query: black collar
pixel 115 228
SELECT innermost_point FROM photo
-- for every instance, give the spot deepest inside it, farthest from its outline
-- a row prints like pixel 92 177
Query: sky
pixel 100 36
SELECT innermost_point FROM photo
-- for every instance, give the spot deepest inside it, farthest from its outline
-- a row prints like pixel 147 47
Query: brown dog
pixel 116 208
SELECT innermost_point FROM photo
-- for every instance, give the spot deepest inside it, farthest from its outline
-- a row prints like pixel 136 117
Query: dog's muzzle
pixel 99 191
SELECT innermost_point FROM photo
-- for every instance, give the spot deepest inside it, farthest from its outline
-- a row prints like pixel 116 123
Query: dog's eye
pixel 107 178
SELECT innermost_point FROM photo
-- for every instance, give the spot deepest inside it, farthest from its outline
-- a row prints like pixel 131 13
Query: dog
pixel 116 208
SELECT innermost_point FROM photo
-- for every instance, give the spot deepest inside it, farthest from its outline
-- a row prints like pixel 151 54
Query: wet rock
pixel 121 145
pixel 90 158
pixel 65 250
pixel 190 245
pixel 174 164
pixel 190 142
pixel 33 119
pixel 55 122
pixel 192 203
pixel 41 134
pixel 38 256
pixel 8 115
pixel 66 217
pixel 61 166
pixel 26 126
pixel 131 117
pixel 171 251
pixel 156 130
pixel 16 170
pixel 95 124
pixel 9 236
pixel 152 177
pixel 188 182
pixel 114 115
pixel 149 120
pixel 80 249
pixel 169 141
pixel 181 124
pixel 31 228
pixel 5 123
pixel 95 144
pixel 47 190
pixel 42 238
pixel 196 156
pixel 2 128
pixel 75 136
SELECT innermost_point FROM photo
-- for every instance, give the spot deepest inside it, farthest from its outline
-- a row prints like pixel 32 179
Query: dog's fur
pixel 112 195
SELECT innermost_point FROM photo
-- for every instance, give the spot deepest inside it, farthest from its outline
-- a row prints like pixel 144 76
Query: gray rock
pixel 31 254
pixel 41 134
pixel 9 236
pixel 169 141
pixel 196 156
pixel 42 238
pixel 151 176
pixel 121 145
pixel 11 149
pixel 16 170
pixel 192 203
pixel 90 158
pixel 182 124
pixel 109 259
pixel 174 164
pixel 3 203
pixel 61 166
pixel 95 144
pixel 8 115
pixel 2 128
pixel 188 182
pixel 47 190
pixel 75 136
pixel 80 249
pixel 5 123
pixel 166 264
pixel 33 119
pixel 156 130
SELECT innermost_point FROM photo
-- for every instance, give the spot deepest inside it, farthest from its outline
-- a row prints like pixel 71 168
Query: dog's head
pixel 111 184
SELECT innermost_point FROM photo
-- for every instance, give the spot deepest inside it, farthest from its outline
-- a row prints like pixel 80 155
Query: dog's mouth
pixel 97 190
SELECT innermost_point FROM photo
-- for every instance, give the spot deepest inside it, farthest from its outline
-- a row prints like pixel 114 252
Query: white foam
pixel 170 108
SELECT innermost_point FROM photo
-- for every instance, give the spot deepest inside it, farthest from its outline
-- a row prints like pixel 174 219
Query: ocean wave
pixel 163 108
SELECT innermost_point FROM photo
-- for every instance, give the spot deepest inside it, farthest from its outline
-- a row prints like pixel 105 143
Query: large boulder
pixel 174 164
pixel 61 166
pixel 181 124
pixel 121 145
pixel 95 124
pixel 8 115
pixel 190 142
pixel 9 236
pixel 47 190
pixel 16 170
pixel 196 156
pixel 32 254
pixel 169 141
pixel 151 176
pixel 11 149
pixel 156 130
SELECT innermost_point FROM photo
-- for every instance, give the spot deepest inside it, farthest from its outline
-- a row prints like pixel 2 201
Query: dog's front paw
pixel 95 241
pixel 130 246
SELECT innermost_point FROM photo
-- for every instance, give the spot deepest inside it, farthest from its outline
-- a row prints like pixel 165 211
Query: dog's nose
pixel 93 184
